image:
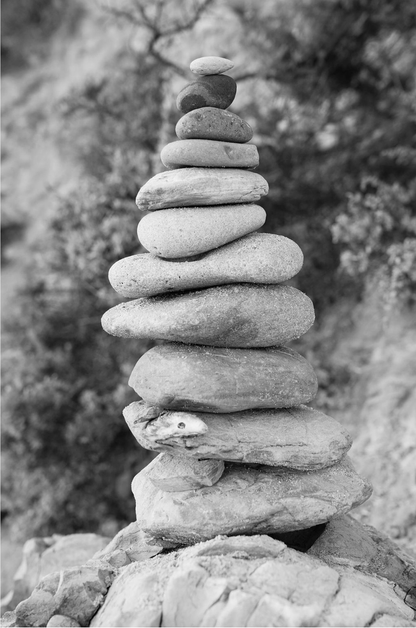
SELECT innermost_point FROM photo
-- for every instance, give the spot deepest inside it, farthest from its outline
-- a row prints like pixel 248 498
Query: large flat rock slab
pixel 179 473
pixel 211 379
pixel 247 500
pixel 297 438
pixel 190 187
pixel 209 154
pixel 239 315
pixel 256 258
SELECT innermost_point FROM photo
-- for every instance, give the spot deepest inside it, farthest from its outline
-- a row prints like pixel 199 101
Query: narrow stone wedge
pixel 187 231
pixel 296 438
pixel 255 258
pixel 210 123
pixel 210 379
pixel 209 154
pixel 246 500
pixel 188 187
pixel 178 473
pixel 238 315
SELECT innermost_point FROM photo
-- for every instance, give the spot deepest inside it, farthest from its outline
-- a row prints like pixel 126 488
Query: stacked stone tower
pixel 222 395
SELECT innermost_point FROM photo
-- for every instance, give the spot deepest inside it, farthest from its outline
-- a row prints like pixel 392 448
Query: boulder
pixel 211 379
pixel 179 473
pixel 211 123
pixel 209 154
pixel 216 90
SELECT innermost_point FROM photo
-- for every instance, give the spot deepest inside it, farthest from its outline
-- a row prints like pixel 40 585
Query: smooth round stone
pixel 211 379
pixel 216 90
pixel 256 258
pixel 178 473
pixel 181 232
pixel 210 123
pixel 211 65
pixel 209 154
pixel 239 315
pixel 190 187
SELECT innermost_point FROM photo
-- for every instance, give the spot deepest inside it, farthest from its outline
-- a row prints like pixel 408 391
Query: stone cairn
pixel 222 395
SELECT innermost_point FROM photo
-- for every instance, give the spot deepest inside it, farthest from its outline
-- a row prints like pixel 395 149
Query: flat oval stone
pixel 210 65
pixel 209 154
pixel 216 90
pixel 247 500
pixel 185 231
pixel 188 187
pixel 239 315
pixel 178 473
pixel 212 379
pixel 255 258
pixel 210 123
pixel 299 438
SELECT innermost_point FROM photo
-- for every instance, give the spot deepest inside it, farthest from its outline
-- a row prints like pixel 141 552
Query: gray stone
pixel 62 621
pixel 299 438
pixel 216 90
pixel 211 379
pixel 131 542
pixel 210 123
pixel 210 65
pixel 187 231
pixel 179 473
pixel 238 315
pixel 247 500
pixel 256 258
pixel 209 154
pixel 190 187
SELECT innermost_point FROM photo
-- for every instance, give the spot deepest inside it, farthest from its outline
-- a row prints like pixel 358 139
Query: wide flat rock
pixel 208 91
pixel 180 473
pixel 211 123
pixel 297 438
pixel 187 231
pixel 236 315
pixel 209 154
pixel 250 500
pixel 211 379
pixel 256 258
pixel 189 187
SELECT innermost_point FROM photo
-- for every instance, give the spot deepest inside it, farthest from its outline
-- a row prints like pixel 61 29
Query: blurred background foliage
pixel 329 88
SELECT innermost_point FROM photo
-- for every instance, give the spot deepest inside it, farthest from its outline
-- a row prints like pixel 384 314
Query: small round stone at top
pixel 211 65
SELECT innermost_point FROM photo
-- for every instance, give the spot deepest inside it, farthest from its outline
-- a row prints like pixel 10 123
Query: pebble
pixel 189 187
pixel 211 379
pixel 179 473
pixel 217 90
pixel 211 65
pixel 209 154
pixel 255 258
pixel 181 232
pixel 210 123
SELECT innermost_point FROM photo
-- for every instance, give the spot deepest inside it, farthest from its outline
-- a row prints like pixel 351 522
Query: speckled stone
pixel 216 90
pixel 189 187
pixel 210 65
pixel 179 473
pixel 210 123
pixel 180 232
pixel 239 315
pixel 209 154
pixel 211 379
pixel 256 258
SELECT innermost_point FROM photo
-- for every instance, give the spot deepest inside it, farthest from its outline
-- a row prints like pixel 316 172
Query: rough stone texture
pixel 213 124
pixel 127 546
pixel 185 231
pixel 62 621
pixel 210 379
pixel 239 315
pixel 255 258
pixel 247 581
pixel 208 91
pixel 247 500
pixel 190 187
pixel 179 473
pixel 297 438
pixel 211 65
pixel 209 154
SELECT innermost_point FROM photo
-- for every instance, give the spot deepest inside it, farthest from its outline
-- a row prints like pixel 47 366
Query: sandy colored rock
pixel 211 65
pixel 208 91
pixel 190 187
pixel 179 473
pixel 209 154
pixel 131 542
pixel 188 231
pixel 237 315
pixel 210 123
pixel 297 438
pixel 247 500
pixel 62 621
